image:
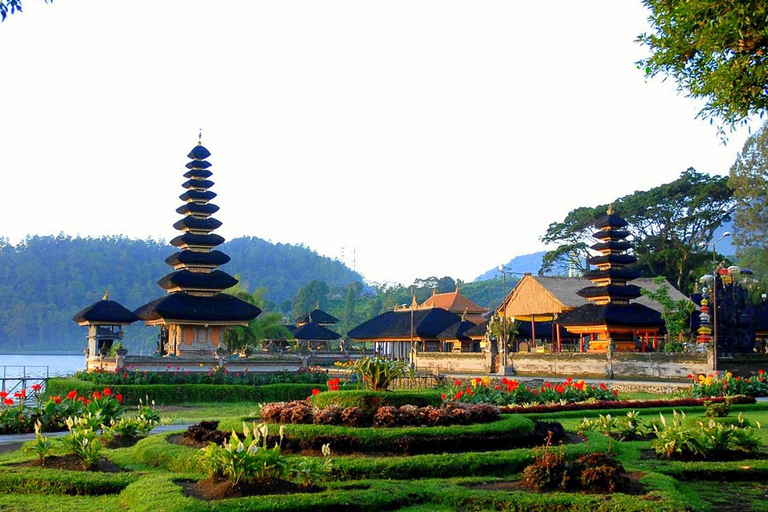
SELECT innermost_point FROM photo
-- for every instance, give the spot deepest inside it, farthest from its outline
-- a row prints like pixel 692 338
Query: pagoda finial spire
pixel 106 295
pixel 200 137
pixel 610 209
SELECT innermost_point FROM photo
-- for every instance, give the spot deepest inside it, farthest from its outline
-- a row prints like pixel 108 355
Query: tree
pixel 312 296
pixel 268 325
pixel 668 225
pixel 749 181
pixel 676 313
pixel 715 50
pixel 11 7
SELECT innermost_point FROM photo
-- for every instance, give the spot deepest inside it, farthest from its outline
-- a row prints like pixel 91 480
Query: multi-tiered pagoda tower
pixel 194 313
pixel 611 318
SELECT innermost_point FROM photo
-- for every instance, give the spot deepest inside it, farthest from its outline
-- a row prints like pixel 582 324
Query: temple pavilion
pixel 105 320
pixel 312 329
pixel 611 319
pixel 195 311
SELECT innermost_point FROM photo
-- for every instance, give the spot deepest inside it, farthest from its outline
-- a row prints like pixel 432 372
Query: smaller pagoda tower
pixel 105 320
pixel 611 318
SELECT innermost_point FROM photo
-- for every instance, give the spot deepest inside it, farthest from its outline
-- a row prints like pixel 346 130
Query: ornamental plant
pixel 378 373
pixel 623 428
pixel 41 446
pixel 677 438
pixel 82 441
pixel 510 392
pixel 712 384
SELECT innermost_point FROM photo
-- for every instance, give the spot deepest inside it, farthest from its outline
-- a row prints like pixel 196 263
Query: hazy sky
pixel 431 137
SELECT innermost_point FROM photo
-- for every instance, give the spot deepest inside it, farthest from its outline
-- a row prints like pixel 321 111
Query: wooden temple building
pixel 195 311
pixel 605 307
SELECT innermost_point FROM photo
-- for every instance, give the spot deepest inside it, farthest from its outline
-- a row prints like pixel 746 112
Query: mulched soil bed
pixel 217 488
pixel 73 463
pixel 120 442
pixel 634 487
pixel 413 445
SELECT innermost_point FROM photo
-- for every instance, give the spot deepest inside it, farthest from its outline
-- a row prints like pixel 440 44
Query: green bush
pixel 192 393
pixel 370 401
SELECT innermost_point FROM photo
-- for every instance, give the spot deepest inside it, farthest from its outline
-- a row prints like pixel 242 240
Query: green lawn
pixel 434 483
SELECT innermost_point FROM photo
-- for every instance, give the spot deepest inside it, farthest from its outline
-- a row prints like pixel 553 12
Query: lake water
pixel 58 365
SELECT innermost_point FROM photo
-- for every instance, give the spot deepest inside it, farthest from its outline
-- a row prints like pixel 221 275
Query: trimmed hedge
pixel 510 432
pixel 188 393
pixel 32 480
pixel 370 401
pixel 623 404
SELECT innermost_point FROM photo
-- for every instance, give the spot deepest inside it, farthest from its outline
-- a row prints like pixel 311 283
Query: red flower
pixel 125 375
pixel 8 401
pixel 470 392
pixel 96 395
pixel 71 395
pixel 117 370
pixel 560 389
pixel 119 398
pixel 457 382
pixel 168 367
pixel 178 368
pixel 547 385
pixel 442 396
pixel 315 391
pixel 615 392
pixel 3 394
pixel 504 380
pixel 498 388
pixel 36 387
pixel 690 376
pixel 458 395
pixel 56 399
pixel 760 372
pixel 20 394
pixel 725 386
pixel 107 391
pixel 603 386
pixel 535 392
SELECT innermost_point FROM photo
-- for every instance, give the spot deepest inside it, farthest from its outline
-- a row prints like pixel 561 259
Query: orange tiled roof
pixel 454 302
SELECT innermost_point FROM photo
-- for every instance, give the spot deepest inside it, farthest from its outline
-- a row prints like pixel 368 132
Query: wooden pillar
pixel 643 338
pixel 655 340
pixel 559 341
pixel 533 330
pixel 581 343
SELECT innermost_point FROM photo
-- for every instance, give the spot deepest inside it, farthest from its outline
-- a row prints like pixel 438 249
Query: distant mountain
pixel 45 280
pixel 518 265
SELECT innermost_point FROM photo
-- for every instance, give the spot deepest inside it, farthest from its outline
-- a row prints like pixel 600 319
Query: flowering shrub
pixel 82 441
pixel 41 446
pixel 378 373
pixel 703 386
pixel 174 374
pixel 509 391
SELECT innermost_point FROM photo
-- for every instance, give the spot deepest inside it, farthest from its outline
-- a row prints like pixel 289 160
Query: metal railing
pixel 17 377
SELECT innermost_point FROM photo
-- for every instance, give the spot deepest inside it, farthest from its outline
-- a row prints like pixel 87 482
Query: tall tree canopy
pixel 715 50
pixel 668 224
pixel 749 180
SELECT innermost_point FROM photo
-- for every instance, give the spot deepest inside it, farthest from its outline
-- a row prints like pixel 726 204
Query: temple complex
pixel 195 311
pixel 610 319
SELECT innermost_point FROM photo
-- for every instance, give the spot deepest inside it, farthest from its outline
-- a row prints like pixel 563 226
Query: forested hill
pixel 45 280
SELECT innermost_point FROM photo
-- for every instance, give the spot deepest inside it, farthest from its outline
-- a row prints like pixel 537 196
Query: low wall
pixel 447 362
pixel 743 364
pixel 633 366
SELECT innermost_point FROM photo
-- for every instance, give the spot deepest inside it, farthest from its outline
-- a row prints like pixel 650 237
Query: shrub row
pixel 623 404
pixel 45 481
pixel 189 393
pixel 300 412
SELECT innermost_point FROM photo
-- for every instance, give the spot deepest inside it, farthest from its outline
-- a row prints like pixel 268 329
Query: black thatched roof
pixel 199 153
pixel 613 259
pixel 197 224
pixel 105 312
pixel 478 330
pixel 626 292
pixel 182 306
pixel 611 234
pixel 211 240
pixel 543 330
pixel 318 316
pixel 427 323
pixel 204 184
pixel 197 164
pixel 187 257
pixel 457 331
pixel 615 274
pixel 313 331
pixel 630 315
pixel 614 246
pixel 215 280
pixel 611 220
pixel 199 174
pixel 197 195
pixel 208 209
